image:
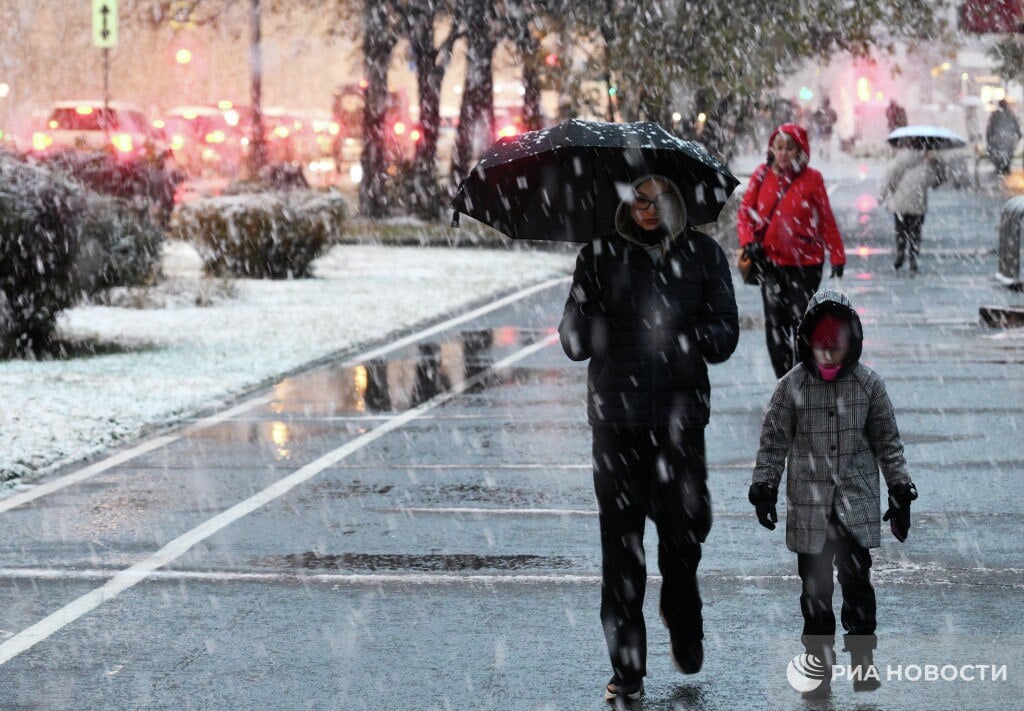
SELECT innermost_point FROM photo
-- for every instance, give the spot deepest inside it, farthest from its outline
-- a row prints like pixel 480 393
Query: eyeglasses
pixel 659 202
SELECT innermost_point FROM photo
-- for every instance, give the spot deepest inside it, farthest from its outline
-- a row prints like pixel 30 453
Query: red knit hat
pixel 831 332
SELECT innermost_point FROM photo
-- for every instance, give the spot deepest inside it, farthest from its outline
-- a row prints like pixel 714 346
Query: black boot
pixel 862 663
pixel 821 647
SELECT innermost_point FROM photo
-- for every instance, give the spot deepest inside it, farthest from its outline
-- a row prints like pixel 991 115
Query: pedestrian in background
pixel 895 115
pixel 830 425
pixel 650 305
pixel 784 224
pixel 823 120
pixel 1001 136
pixel 905 194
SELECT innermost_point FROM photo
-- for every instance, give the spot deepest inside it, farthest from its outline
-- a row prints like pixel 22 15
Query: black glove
pixel 898 513
pixel 763 497
pixel 837 271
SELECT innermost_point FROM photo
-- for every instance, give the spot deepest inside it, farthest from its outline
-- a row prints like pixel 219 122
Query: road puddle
pixel 451 562
pixel 400 382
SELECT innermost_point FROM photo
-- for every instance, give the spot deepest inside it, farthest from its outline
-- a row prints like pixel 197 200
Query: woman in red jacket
pixel 785 223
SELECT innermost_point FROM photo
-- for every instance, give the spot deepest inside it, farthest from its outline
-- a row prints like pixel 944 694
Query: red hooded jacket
pixel 795 234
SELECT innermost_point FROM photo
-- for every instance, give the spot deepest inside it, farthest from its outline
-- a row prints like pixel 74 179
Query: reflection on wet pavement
pixel 384 561
pixel 401 382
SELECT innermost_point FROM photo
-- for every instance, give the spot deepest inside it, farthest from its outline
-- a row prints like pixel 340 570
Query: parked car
pixel 91 126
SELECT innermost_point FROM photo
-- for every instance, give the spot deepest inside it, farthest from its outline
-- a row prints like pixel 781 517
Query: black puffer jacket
pixel 650 329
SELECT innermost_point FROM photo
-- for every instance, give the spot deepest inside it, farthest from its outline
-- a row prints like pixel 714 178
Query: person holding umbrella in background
pixel 908 179
pixel 905 194
pixel 785 221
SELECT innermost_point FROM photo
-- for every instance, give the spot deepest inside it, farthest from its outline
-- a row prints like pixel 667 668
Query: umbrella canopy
pixel 565 183
pixel 922 137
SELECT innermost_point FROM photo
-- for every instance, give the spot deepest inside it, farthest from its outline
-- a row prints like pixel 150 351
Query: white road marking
pixel 215 576
pixel 26 495
pixel 928 575
pixel 124 579
pixel 485 511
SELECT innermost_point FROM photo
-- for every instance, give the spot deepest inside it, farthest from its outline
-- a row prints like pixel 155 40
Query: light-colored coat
pixel 830 438
pixel 905 190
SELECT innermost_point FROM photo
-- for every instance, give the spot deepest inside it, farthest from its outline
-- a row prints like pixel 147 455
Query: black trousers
pixel 908 235
pixel 661 474
pixel 785 292
pixel 853 567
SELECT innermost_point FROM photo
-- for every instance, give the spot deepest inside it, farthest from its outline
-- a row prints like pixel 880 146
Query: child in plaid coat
pixel 831 425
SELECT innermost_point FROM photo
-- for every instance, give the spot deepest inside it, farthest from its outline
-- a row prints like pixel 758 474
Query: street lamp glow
pixel 5 89
pixel 183 56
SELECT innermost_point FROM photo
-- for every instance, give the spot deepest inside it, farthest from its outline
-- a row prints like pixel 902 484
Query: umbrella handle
pixel 455 218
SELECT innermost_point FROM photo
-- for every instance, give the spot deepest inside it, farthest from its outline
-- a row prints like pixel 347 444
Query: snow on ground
pixel 162 363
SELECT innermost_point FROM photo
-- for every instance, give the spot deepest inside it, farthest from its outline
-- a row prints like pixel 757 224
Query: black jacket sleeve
pixel 577 326
pixel 718 335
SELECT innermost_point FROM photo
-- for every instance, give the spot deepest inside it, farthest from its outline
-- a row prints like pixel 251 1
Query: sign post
pixel 104 36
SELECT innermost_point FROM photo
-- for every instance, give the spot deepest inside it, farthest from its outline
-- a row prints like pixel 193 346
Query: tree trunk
pixel 377 45
pixel 426 193
pixel 478 89
pixel 257 141
pixel 529 48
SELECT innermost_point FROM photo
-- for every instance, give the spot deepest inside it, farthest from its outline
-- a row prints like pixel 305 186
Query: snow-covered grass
pixel 172 358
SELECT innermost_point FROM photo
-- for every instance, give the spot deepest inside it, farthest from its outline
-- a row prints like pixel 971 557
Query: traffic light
pixel 551 59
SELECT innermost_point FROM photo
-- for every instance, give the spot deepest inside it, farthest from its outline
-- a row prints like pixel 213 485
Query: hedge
pixel 58 243
pixel 270 235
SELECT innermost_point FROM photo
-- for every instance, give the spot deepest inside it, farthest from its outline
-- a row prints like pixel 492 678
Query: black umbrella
pixel 922 137
pixel 564 183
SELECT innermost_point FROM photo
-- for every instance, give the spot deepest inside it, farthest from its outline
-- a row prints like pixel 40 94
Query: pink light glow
pixel 866 202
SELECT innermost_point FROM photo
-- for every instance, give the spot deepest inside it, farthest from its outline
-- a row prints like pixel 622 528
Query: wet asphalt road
pixel 450 559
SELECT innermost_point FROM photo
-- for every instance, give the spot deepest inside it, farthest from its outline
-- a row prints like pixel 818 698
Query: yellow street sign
pixel 104 23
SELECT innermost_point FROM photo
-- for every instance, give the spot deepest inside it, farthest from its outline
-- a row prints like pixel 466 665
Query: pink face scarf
pixel 829 373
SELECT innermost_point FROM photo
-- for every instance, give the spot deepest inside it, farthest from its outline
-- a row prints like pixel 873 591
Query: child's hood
pixel 836 303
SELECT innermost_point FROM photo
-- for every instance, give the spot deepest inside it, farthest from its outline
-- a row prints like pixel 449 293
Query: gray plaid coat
pixel 831 438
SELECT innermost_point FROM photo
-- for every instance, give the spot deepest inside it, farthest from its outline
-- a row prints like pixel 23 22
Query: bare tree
pixel 431 60
pixel 519 19
pixel 378 42
pixel 477 110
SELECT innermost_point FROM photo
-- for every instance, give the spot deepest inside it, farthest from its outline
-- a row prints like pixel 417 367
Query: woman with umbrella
pixel 784 224
pixel 651 305
pixel 905 194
